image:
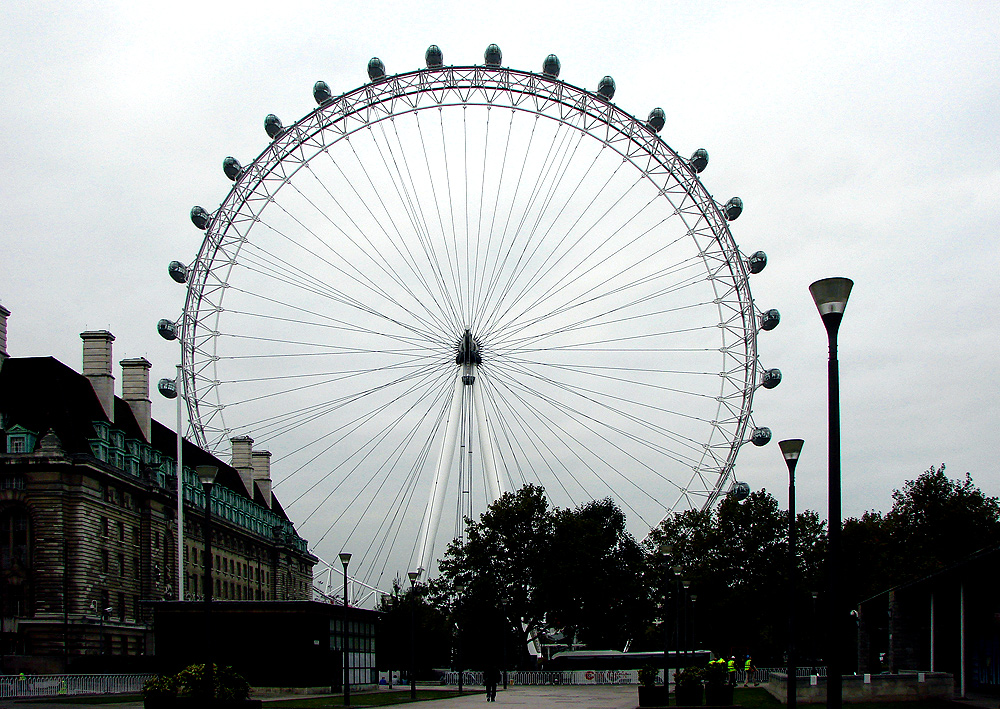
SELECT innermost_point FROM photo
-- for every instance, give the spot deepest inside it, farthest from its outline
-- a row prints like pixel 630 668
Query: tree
pixel 431 628
pixel 498 571
pixel 735 558
pixel 934 521
pixel 594 582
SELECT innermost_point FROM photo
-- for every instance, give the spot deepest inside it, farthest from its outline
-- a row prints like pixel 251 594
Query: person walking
pixel 490 679
pixel 731 669
pixel 748 671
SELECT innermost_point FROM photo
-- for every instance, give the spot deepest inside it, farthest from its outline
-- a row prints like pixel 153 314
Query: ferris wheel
pixel 450 282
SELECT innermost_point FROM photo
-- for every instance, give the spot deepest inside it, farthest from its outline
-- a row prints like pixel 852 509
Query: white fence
pixel 583 677
pixel 16 686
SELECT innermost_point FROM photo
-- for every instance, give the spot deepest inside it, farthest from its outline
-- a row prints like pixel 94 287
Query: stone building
pixel 88 516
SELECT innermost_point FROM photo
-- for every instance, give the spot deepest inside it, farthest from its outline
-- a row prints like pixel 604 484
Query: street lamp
pixel 694 617
pixel 459 588
pixel 206 474
pixel 686 582
pixel 790 450
pixel 171 388
pixel 345 559
pixel 413 644
pixel 831 296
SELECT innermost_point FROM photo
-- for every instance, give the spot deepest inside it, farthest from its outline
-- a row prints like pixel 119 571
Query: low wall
pixel 867 688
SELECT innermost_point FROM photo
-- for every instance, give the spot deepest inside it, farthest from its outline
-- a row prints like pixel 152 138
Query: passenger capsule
pixel 551 66
pixel 657 119
pixel 770 319
pixel 434 57
pixel 699 159
pixel 606 88
pixel 493 56
pixel 167 329
pixel 733 208
pixel 757 261
pixel 740 491
pixel 376 69
pixel 321 92
pixel 200 217
pixel 231 166
pixel 178 271
pixel 761 436
pixel 272 124
pixel 771 378
pixel 168 388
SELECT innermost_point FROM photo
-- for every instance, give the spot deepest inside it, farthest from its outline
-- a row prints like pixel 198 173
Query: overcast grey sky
pixel 862 138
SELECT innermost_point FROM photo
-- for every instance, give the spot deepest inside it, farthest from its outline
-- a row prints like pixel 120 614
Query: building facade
pixel 88 516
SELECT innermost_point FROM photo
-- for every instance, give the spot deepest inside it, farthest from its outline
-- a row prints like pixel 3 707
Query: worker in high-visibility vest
pixel 747 671
pixel 731 668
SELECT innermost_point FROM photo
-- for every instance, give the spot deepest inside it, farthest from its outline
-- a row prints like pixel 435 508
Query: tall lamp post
pixel 460 589
pixel 790 450
pixel 830 295
pixel 206 474
pixel 170 389
pixel 413 633
pixel 345 559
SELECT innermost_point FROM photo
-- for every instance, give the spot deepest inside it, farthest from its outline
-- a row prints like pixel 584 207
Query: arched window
pixel 15 561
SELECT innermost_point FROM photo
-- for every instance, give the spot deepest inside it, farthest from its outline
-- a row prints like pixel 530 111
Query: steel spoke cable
pixel 388 271
pixel 535 441
pixel 393 521
pixel 532 237
pixel 580 391
pixel 421 226
pixel 570 276
pixel 482 280
pixel 545 235
pixel 388 466
pixel 327 407
pixel 310 386
pixel 593 322
pixel 597 398
pixel 407 257
pixel 563 433
pixel 349 428
pixel 428 252
pixel 589 422
pixel 611 288
pixel 367 450
pixel 504 248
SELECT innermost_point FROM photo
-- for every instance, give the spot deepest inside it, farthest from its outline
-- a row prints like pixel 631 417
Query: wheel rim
pixel 612 306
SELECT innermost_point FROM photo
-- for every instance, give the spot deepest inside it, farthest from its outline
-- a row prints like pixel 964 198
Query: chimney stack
pixel 262 474
pixel 97 367
pixel 4 313
pixel 242 448
pixel 135 392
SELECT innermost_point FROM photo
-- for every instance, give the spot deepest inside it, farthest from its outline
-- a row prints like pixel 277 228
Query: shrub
pixel 647 676
pixel 192 681
pixel 159 686
pixel 689 677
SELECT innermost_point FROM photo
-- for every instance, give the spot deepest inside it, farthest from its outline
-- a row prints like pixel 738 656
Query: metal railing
pixel 17 686
pixel 519 678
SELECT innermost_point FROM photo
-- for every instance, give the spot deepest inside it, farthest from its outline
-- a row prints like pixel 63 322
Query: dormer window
pixel 21 440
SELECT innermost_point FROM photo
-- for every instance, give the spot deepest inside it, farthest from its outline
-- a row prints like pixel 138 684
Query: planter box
pixel 689 696
pixel 719 695
pixel 655 696
pixel 191 703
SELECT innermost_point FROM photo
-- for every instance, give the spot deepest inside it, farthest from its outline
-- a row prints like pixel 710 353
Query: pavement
pixel 561 697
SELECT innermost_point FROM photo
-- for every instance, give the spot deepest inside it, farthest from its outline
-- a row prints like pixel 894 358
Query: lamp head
pixel 345 558
pixel 790 448
pixel 831 295
pixel 207 473
pixel 414 575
